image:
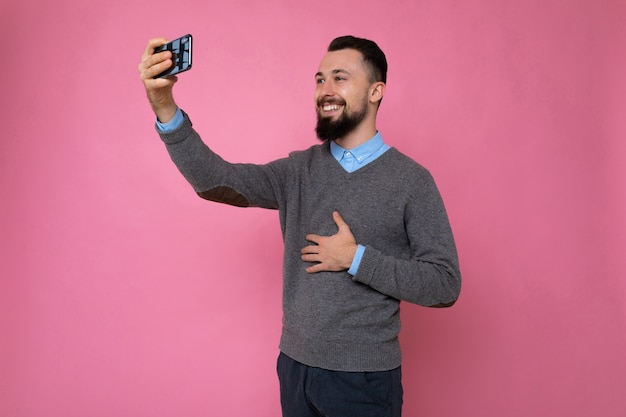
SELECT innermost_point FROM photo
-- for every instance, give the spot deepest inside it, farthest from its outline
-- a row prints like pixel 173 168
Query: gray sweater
pixel 333 320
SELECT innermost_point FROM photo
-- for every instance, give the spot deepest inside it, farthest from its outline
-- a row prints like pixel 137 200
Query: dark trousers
pixel 315 392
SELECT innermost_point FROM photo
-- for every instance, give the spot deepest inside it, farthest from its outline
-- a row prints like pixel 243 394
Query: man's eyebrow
pixel 335 71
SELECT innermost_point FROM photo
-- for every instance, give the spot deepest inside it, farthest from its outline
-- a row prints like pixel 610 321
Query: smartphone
pixel 181 55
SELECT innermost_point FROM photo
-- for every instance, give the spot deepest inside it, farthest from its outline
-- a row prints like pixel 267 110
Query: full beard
pixel 328 129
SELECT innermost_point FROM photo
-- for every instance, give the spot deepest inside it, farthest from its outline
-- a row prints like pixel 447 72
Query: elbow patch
pixel 225 195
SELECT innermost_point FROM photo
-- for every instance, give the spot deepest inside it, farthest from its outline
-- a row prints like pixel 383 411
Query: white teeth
pixel 331 107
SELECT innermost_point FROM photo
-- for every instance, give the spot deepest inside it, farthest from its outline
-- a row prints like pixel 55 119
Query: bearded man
pixel 364 227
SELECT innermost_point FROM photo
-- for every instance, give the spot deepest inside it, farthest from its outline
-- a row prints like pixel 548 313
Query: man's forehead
pixel 345 59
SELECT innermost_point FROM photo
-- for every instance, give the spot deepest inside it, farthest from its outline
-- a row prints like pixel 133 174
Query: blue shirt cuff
pixel 360 249
pixel 173 124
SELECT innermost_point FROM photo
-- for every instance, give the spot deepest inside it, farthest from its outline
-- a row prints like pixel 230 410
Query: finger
pixel 149 59
pixel 153 43
pixel 310 257
pixel 154 69
pixel 339 220
pixel 314 238
pixel 315 269
pixel 310 249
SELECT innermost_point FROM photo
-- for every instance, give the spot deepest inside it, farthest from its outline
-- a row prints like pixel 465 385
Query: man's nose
pixel 326 89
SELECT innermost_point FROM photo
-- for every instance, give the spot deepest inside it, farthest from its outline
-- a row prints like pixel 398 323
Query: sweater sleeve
pixel 431 277
pixel 241 185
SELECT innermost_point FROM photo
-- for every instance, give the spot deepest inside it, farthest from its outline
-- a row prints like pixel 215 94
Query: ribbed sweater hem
pixel 341 356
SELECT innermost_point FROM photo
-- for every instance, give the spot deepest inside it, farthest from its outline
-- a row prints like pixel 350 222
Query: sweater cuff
pixel 177 135
pixel 367 266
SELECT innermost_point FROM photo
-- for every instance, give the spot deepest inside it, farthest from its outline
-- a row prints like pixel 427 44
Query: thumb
pixel 339 220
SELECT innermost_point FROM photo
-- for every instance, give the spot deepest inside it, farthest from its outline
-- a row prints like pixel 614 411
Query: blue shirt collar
pixel 362 152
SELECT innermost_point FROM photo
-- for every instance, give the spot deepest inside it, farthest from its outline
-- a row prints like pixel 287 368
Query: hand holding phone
pixel 181 55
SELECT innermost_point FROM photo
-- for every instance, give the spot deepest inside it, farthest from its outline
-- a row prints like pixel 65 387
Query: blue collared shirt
pixel 350 160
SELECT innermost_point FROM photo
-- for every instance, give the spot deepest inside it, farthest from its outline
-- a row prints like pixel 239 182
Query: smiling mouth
pixel 330 108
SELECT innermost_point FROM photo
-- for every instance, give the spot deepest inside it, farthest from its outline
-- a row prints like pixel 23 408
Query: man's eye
pixel 339 78
pixel 319 81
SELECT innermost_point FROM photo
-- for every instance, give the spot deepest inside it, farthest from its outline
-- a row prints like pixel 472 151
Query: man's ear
pixel 377 92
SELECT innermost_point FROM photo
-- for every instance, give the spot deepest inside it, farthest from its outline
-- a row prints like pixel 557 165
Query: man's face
pixel 341 93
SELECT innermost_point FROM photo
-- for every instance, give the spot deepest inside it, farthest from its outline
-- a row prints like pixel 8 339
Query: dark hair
pixel 373 56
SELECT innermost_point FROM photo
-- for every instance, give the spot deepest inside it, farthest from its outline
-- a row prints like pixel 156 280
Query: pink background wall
pixel 122 294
